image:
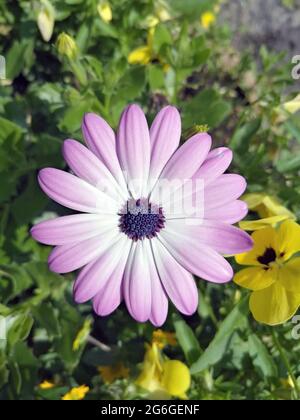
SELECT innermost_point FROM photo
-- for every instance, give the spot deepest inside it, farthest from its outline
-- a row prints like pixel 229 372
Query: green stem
pixel 285 361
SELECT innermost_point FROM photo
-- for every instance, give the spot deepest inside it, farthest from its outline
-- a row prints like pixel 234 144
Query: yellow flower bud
pixel 66 45
pixel 207 20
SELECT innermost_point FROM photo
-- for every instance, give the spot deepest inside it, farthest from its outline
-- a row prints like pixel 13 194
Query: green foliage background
pixel 42 102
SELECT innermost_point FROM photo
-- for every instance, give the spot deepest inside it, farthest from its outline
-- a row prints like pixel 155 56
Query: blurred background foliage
pixel 65 58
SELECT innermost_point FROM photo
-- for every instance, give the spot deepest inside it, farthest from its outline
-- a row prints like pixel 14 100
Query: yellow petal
pixel 46 385
pixel 292 106
pixel 275 208
pixel 141 55
pixel 176 378
pixel 251 225
pixel 263 239
pixel 76 394
pixel 253 200
pixel 289 275
pixel 255 278
pixel 150 376
pixel 274 305
pixel 105 11
pixel 288 237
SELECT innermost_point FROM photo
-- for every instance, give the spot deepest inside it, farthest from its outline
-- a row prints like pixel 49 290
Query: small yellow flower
pixel 111 373
pixel 144 55
pixel 76 394
pixel 164 338
pixel 272 274
pixel 66 45
pixel 207 19
pixel 162 13
pixel 46 385
pixel 105 12
pixel 269 208
pixel 161 375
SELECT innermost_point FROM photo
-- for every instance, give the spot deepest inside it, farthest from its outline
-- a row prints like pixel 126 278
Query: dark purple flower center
pixel 268 257
pixel 140 219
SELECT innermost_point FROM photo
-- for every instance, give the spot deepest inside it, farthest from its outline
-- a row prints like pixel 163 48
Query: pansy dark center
pixel 268 257
pixel 140 219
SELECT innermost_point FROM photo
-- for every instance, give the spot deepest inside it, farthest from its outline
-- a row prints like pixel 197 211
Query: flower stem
pixel 285 361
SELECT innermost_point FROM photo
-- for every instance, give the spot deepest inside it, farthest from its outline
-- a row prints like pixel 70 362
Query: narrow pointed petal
pixel 94 277
pixel 88 167
pixel 165 135
pixel 221 237
pixel 159 300
pixel 67 258
pixel 223 190
pixel 216 163
pixel 137 283
pixel 75 193
pixel 101 140
pixel 197 258
pixel 133 148
pixel 178 283
pixel 72 229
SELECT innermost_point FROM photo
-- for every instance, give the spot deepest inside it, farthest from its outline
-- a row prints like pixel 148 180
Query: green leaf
pixel 161 37
pixel 207 107
pixel 187 340
pixel 262 360
pixel 237 319
pixel 243 135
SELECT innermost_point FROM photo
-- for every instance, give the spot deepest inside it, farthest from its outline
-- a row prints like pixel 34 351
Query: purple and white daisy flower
pixel 129 242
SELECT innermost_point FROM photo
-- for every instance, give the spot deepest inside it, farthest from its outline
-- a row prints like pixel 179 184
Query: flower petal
pixel 230 213
pixel 137 283
pixel 252 225
pixel 176 378
pixel 197 258
pixel 101 140
pixel 165 135
pixel 182 166
pixel 221 237
pixel 159 301
pixel 94 276
pixel 74 193
pixel 72 229
pixel 255 278
pixel 274 305
pixel 263 239
pixel 223 190
pixel 178 283
pixel 87 166
pixel 288 237
pixel 289 275
pixel 133 148
pixel 67 258
pixel 216 163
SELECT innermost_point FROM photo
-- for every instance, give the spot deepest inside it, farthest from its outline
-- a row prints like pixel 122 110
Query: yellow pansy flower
pixel 268 207
pixel 66 45
pixel 76 394
pixel 164 376
pixel 46 385
pixel 105 12
pixel 272 274
pixel 207 19
pixel 163 338
pixel 110 373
